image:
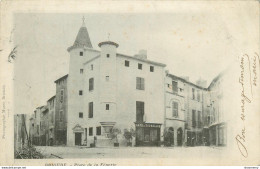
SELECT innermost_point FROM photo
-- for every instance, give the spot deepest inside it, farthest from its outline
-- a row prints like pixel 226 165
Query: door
pixel 78 139
pixel 179 137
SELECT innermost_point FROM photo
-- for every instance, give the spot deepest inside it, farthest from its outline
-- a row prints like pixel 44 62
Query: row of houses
pixel 106 91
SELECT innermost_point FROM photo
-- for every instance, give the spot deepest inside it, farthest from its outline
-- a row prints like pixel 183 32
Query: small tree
pixel 168 136
pixel 114 132
pixel 129 135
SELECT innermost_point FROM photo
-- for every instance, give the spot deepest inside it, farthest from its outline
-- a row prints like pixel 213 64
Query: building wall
pixel 177 123
pixel 61 105
pixel 119 92
pixel 217 123
pixel 51 120
pixel 21 128
pixel 127 94
pixel 76 82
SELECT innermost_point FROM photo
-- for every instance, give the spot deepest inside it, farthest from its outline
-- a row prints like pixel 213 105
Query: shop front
pixel 148 134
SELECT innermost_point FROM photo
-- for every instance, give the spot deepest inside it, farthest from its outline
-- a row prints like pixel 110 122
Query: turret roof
pixel 82 39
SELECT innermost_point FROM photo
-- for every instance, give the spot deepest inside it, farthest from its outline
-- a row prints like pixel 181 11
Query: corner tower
pixel 80 52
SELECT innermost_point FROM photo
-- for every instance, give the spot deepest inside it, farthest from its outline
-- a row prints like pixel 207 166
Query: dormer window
pixel 81 53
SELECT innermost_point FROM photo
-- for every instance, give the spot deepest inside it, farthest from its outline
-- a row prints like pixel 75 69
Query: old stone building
pixel 106 93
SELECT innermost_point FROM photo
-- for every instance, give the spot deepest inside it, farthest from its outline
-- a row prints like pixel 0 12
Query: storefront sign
pixel 148 125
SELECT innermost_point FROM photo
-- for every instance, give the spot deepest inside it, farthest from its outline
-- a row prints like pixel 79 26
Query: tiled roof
pixel 51 98
pixel 61 78
pixel 82 39
pixel 185 81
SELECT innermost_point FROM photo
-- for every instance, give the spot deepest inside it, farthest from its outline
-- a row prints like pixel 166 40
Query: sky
pixel 197 44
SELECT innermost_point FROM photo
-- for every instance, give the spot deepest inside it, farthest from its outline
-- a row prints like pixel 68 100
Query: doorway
pixel 78 139
pixel 179 136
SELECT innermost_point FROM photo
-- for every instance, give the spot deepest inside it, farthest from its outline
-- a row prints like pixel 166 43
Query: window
pixel 98 131
pixel 52 113
pixel 174 87
pixel 61 116
pixel 139 111
pixel 38 128
pixel 139 83
pixel 81 71
pixel 140 66
pixel 107 106
pixel 193 93
pixel 107 78
pixel 90 110
pixel 92 67
pixel 151 69
pixel 193 118
pixel 91 84
pixel 127 63
pixel 108 55
pixel 61 95
pixel 198 95
pixel 86 133
pixel 80 115
pixel 80 92
pixel 199 119
pixel 175 109
pixel 80 53
pixel 90 131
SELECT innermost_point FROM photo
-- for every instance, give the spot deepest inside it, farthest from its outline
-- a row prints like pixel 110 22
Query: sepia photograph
pixel 177 84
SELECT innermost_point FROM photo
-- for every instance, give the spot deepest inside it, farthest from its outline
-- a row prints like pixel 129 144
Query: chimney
pixel 142 54
pixel 201 83
pixel 185 78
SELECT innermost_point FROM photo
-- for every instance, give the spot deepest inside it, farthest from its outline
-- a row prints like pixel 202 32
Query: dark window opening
pixel 193 93
pixel 80 92
pixel 98 131
pixel 139 112
pixel 90 110
pixel 81 53
pixel 81 71
pixel 108 55
pixel 90 131
pixel 174 87
pixel 140 66
pixel 193 118
pixel 91 84
pixel 151 69
pixel 175 109
pixel 127 63
pixel 80 115
pixel 107 106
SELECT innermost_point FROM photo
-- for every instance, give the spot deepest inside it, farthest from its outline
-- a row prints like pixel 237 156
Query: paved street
pixel 131 152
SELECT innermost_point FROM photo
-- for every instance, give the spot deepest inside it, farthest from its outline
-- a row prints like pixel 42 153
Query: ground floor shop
pixel 148 134
pixel 218 134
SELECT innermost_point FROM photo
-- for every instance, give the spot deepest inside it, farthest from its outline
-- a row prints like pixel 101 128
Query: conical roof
pixel 82 39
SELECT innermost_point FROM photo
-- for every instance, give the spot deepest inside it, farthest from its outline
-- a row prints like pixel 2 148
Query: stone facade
pixel 108 95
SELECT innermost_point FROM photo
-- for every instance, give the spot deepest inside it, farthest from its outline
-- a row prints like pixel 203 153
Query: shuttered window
pixel 90 131
pixel 98 131
pixel 193 118
pixel 174 86
pixel 90 110
pixel 139 83
pixel 175 109
pixel 91 84
pixel 139 111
